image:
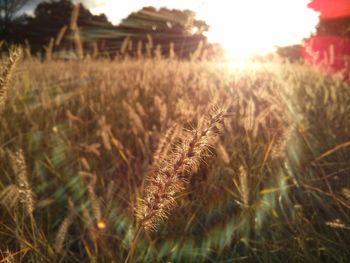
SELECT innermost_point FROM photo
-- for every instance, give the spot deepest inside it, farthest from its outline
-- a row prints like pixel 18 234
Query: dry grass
pixel 174 171
pixel 5 75
pixel 269 183
pixel 26 195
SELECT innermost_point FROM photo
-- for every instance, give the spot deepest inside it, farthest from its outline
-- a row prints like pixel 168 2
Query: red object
pixel 330 53
pixel 331 8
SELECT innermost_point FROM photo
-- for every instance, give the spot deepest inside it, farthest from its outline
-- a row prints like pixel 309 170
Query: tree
pixel 51 17
pixel 8 11
pixel 167 31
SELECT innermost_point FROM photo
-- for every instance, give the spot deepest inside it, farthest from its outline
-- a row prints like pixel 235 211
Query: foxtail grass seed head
pixel 280 147
pixel 89 224
pixel 76 32
pixel 135 119
pixel 166 183
pixel 95 203
pixel 164 145
pixel 63 231
pixel 10 196
pixel 242 185
pixel 337 223
pixel 60 35
pixel 27 50
pixel 139 49
pixel 19 167
pixel 49 50
pixel 161 106
pixel 224 155
pixel 125 43
pixel 5 75
pixel 249 117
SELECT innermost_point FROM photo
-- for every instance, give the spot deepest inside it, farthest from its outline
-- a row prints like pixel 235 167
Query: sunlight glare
pixel 255 27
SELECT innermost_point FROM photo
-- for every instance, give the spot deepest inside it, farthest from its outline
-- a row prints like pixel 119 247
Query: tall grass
pixel 269 183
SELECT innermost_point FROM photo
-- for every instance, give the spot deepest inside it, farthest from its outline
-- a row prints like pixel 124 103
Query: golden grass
pixel 26 195
pixel 6 71
pixel 261 182
pixel 174 171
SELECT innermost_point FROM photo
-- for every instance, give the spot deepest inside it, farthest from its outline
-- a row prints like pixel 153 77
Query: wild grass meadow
pixel 167 160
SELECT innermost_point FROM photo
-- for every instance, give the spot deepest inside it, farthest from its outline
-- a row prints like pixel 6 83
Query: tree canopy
pixel 8 10
pixel 51 17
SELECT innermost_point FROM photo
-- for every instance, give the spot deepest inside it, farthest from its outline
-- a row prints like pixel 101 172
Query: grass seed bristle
pixel 166 183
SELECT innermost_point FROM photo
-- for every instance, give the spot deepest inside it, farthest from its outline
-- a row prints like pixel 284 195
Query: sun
pixel 253 27
pixel 243 27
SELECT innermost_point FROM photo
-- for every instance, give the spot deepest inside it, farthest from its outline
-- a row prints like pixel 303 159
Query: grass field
pixel 160 160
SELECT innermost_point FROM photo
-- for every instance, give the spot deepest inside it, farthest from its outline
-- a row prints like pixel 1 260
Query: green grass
pixel 272 189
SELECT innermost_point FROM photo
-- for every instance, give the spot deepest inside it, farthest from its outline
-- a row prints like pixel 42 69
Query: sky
pixel 243 27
